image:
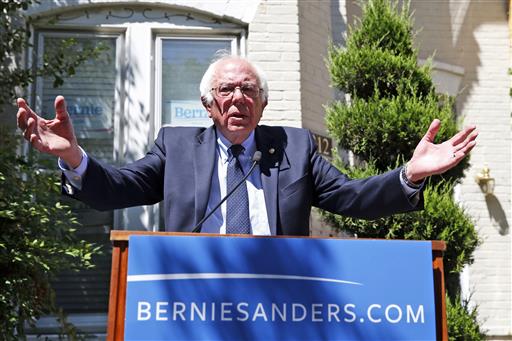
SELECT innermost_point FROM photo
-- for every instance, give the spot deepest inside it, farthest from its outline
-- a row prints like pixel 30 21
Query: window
pixel 148 77
pixel 91 97
pixel 182 63
pixel 90 94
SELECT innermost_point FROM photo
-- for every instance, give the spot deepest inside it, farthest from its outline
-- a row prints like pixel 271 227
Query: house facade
pixel 149 77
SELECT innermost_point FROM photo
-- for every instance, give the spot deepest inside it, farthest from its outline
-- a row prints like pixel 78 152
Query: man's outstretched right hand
pixel 55 137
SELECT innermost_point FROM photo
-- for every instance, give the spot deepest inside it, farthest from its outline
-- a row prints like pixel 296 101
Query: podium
pixel 119 275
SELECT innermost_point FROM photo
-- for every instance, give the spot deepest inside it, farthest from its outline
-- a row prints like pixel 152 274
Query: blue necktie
pixel 237 212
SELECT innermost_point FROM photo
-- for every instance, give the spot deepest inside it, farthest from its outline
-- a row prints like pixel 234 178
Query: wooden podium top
pixel 123 235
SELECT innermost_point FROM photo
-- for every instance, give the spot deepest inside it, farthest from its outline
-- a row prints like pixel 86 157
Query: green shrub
pixel 380 55
pixel 37 239
pixel 442 219
pixel 386 130
pixel 392 102
pixel 384 26
pixel 462 321
pixel 366 70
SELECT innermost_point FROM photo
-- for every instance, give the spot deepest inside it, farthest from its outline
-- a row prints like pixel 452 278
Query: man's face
pixel 237 114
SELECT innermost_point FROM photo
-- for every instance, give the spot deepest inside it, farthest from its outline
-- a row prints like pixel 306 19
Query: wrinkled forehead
pixel 235 71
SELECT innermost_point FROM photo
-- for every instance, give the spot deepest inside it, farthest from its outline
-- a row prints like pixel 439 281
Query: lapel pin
pixel 271 151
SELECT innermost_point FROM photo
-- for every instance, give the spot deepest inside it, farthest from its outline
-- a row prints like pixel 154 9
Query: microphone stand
pixel 255 160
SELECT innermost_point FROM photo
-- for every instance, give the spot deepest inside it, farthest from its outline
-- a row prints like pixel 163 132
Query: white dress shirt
pixel 216 223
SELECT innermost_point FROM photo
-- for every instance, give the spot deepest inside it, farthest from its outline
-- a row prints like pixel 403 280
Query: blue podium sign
pixel 236 288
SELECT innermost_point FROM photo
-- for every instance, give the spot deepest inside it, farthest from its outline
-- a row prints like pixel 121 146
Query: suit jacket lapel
pixel 204 161
pixel 273 160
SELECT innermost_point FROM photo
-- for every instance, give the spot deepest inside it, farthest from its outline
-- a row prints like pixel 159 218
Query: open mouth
pixel 237 116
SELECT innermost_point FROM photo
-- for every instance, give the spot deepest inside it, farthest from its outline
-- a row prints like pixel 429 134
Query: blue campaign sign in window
pixel 183 63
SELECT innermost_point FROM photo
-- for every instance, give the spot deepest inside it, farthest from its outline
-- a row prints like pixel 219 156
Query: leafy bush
pixel 37 239
pixel 462 321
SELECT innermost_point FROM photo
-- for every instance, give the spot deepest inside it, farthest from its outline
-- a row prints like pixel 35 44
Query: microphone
pixel 255 160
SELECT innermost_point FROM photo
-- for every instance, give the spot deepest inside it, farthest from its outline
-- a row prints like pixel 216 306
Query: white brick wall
pixel 288 39
pixel 474 35
pixel 315 32
pixel 273 43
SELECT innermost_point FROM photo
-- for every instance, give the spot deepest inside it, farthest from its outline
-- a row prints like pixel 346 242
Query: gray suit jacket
pixel 179 168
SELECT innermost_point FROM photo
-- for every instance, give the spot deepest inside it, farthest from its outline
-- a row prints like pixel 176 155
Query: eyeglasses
pixel 227 90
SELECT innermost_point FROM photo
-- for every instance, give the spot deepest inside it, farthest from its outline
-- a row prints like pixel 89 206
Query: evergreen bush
pixel 391 103
pixel 386 129
pixel 441 219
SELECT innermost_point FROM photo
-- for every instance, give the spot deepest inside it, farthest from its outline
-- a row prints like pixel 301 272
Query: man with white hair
pixel 192 169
